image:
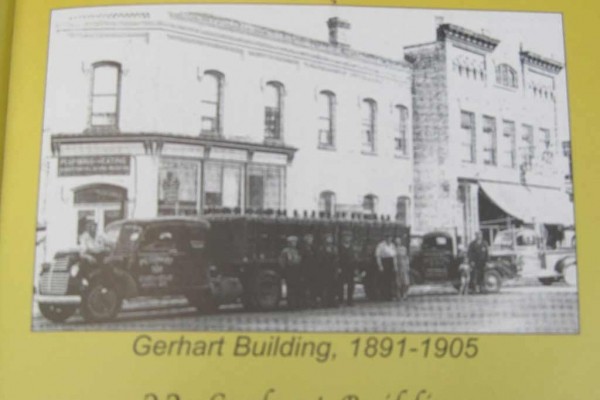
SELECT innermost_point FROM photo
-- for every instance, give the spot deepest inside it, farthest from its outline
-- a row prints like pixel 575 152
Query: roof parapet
pixel 466 36
pixel 538 61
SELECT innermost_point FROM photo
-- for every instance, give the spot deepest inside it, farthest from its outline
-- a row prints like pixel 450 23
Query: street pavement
pixel 518 308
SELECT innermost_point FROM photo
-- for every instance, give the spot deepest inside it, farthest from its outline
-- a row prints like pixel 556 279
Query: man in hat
pixel 89 244
pixel 310 270
pixel 478 256
pixel 348 259
pixel 290 262
pixel 328 271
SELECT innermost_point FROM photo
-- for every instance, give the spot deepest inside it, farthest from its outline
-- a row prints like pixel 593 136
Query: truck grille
pixel 56 280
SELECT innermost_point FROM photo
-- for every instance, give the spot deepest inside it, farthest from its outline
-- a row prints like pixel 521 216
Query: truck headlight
pixel 74 270
pixel 45 267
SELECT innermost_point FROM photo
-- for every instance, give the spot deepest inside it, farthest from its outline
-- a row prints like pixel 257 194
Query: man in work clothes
pixel 310 270
pixel 478 254
pixel 348 260
pixel 290 262
pixel 328 271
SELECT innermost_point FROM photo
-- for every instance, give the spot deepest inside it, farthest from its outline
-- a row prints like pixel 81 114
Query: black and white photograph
pixel 265 168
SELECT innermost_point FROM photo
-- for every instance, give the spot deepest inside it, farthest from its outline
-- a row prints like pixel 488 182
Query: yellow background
pixel 102 366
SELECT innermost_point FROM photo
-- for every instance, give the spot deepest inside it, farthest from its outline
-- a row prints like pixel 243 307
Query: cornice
pixel 540 62
pixel 467 37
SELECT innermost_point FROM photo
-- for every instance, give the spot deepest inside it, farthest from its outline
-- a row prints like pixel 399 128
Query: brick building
pixel 160 113
pixel 486 143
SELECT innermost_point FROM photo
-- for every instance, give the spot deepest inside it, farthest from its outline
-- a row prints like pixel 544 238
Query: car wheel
pixel 547 281
pixel 57 312
pixel 492 282
pixel 101 302
pixel 266 290
pixel 570 274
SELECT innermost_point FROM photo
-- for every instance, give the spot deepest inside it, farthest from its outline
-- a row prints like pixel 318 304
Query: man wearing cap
pixel 310 271
pixel 290 262
pixel 478 257
pixel 385 255
pixel 89 245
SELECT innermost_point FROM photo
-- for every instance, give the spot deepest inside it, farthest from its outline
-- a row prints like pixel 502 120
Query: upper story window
pixel 368 117
pixel 273 110
pixel 212 102
pixel 527 146
pixel 326 119
pixel 370 204
pixel 403 210
pixel 106 88
pixel 467 126
pixel 506 76
pixel 327 202
pixel 489 140
pixel 509 145
pixel 400 139
pixel 546 145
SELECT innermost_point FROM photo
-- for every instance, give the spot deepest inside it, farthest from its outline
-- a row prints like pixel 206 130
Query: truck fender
pixel 564 262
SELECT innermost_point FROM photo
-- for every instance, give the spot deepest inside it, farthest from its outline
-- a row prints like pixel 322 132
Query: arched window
pixel 403 210
pixel 326 119
pixel 370 204
pixel 212 102
pixel 368 111
pixel 273 110
pixel 327 202
pixel 400 139
pixel 106 88
pixel 506 76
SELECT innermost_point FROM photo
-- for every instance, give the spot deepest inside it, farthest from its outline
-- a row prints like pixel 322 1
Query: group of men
pixel 323 276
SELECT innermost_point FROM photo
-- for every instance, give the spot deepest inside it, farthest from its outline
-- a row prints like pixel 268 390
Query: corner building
pixel 183 113
pixel 486 145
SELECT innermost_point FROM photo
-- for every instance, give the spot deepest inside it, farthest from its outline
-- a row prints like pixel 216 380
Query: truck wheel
pixel 57 312
pixel 547 281
pixel 570 274
pixel 266 290
pixel 492 282
pixel 101 302
pixel 203 301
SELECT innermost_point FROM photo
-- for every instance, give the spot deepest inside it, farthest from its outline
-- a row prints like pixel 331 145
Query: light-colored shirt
pixel 88 244
pixel 385 250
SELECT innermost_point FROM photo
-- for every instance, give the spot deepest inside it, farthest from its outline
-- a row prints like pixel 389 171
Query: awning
pixel 531 204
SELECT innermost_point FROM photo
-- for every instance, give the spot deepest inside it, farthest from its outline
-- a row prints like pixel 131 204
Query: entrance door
pixel 100 203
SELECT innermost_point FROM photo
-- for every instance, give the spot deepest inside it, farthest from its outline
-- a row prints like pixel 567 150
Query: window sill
pixel 402 156
pixel 327 147
pixel 369 152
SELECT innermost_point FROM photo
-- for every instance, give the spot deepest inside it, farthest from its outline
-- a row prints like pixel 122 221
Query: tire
pixel 569 274
pixel 101 302
pixel 265 291
pixel 492 282
pixel 57 312
pixel 547 281
pixel 203 301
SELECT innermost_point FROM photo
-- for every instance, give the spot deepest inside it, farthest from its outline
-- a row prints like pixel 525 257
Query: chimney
pixel 439 21
pixel 338 31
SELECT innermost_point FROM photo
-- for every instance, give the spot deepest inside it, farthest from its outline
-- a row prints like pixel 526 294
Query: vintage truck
pixel 438 259
pixel 526 250
pixel 218 259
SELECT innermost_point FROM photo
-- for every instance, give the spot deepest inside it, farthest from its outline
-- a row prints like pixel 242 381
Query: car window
pixel 161 237
pixel 197 237
pixel 437 242
pixel 129 234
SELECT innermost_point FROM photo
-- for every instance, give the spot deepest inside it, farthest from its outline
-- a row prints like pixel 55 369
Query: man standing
pixel 328 268
pixel 290 262
pixel 348 266
pixel 310 270
pixel 385 255
pixel 478 256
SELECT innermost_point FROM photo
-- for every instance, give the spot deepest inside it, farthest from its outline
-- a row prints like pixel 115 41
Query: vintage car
pixel 526 250
pixel 159 257
pixel 439 257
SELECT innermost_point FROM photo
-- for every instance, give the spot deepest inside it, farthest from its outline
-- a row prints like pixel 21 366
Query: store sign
pixel 93 165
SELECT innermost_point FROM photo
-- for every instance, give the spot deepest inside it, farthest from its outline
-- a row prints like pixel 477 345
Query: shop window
pixel 222 185
pixel 509 139
pixel 400 139
pixel 369 114
pixel 506 76
pixel 178 187
pixel 370 204
pixel 403 210
pixel 326 119
pixel 489 140
pixel 273 110
pixel 327 202
pixel 467 126
pixel 212 102
pixel 265 187
pixel 106 87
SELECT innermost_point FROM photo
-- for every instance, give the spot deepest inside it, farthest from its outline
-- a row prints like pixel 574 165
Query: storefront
pixel 105 178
